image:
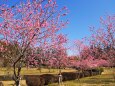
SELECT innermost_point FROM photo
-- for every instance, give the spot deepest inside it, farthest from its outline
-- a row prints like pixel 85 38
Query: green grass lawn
pixel 99 80
pixel 105 79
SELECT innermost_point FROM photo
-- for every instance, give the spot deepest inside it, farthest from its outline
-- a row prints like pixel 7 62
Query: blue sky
pixel 85 13
pixel 82 14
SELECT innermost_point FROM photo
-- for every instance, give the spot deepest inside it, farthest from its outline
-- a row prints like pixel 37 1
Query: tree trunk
pixel 17 82
pixel 82 73
pixel 39 68
pixel 17 75
pixel 49 69
pixel 91 73
pixel 59 70
pixel 78 74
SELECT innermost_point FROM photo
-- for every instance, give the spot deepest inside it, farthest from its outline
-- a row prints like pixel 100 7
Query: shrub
pixel 49 78
pixel 45 79
pixel 87 73
pixel 33 80
pixel 1 84
pixel 95 71
pixel 69 76
pixel 79 75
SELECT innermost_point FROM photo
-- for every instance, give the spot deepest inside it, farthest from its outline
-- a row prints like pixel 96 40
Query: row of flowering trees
pixel 28 34
pixel 100 50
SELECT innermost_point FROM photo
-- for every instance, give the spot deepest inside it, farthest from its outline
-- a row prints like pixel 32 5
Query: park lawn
pixel 105 79
pixel 99 80
pixel 34 71
pixel 31 71
pixel 11 83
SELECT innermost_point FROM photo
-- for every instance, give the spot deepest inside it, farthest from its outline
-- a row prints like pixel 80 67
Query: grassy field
pixel 106 79
pixel 34 71
pixel 30 71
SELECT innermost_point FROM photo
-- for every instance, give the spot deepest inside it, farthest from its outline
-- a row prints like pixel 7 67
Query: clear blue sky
pixel 82 14
pixel 85 13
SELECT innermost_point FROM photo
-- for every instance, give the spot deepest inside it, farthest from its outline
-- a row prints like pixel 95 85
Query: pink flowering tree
pixel 100 45
pixel 29 24
pixel 37 58
pixel 88 57
pixel 103 40
pixel 56 55
pixel 61 51
pixel 52 54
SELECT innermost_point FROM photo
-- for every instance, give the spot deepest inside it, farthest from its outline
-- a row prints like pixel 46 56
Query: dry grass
pixel 34 71
pixel 29 71
pixel 106 79
pixel 11 83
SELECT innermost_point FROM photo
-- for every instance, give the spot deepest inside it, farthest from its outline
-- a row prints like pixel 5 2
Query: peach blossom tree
pixel 29 24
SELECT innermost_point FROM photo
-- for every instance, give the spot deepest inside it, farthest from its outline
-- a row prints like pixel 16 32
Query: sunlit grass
pixel 11 83
pixel 30 71
pixel 34 71
pixel 105 79
pixel 93 81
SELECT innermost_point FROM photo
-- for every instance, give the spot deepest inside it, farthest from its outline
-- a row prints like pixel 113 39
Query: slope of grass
pixel 105 79
pixel 100 80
